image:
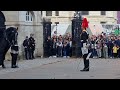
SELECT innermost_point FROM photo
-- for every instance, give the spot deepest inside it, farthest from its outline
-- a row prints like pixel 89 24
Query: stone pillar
pixel 39 40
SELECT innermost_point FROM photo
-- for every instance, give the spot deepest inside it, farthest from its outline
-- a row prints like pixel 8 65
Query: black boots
pixel 85 69
pixel 3 66
pixel 14 66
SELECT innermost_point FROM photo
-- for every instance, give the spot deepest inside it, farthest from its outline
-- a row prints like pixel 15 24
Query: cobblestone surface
pixel 27 64
pixel 61 68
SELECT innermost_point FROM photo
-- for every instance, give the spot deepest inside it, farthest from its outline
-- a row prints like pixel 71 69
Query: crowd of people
pixel 105 46
pixel 60 46
pixel 101 46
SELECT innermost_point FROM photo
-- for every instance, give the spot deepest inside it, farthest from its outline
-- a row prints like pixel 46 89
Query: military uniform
pixel 85 50
pixel 14 54
pixel 32 47
pixel 26 44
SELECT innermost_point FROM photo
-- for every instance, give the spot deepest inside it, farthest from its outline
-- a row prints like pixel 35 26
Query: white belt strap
pixel 88 56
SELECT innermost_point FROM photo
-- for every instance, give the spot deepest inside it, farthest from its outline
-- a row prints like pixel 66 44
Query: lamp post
pixel 56 27
pixel 94 29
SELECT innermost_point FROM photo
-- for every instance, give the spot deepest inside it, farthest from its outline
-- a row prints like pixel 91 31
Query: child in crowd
pixel 115 50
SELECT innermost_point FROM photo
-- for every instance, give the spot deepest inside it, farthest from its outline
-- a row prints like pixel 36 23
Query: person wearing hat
pixel 85 52
pixel 85 45
pixel 32 46
pixel 26 45
pixel 84 35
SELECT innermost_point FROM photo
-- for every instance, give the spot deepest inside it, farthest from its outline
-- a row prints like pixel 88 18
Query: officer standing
pixel 49 46
pixel 32 46
pixel 26 45
pixel 14 54
pixel 85 50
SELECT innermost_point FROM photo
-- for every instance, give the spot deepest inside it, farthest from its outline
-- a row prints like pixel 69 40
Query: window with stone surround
pixel 29 17
pixel 85 12
pixel 48 13
pixel 103 12
pixel 103 22
pixel 56 13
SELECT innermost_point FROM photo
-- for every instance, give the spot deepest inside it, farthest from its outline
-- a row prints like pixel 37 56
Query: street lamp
pixel 56 27
pixel 95 29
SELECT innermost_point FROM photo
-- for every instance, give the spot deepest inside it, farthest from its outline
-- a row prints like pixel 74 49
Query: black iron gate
pixel 46 33
pixel 76 31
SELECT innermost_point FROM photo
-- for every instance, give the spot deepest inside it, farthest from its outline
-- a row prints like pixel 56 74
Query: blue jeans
pixel 93 52
pixel 110 52
pixel 60 51
pixel 64 53
pixel 119 53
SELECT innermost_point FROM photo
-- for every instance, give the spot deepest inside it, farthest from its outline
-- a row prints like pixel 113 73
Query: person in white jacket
pixel 60 45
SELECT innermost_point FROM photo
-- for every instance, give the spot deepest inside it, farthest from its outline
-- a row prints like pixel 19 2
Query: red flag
pixel 85 23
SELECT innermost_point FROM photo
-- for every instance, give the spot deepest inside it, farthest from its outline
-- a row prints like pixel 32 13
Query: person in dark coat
pixel 110 46
pixel 84 36
pixel 32 46
pixel 119 46
pixel 68 49
pixel 26 44
pixel 49 46
pixel 54 48
pixel 85 51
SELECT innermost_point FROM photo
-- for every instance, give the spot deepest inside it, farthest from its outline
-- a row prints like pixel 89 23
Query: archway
pixel 30 17
pixel 29 22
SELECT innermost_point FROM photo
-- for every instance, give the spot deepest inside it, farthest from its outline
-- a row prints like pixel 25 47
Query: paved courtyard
pixel 62 68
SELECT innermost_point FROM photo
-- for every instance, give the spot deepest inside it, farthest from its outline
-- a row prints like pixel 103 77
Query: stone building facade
pixel 118 17
pixel 27 22
pixel 31 22
pixel 94 17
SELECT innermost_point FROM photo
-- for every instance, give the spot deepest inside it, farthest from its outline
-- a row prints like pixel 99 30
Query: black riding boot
pixel 3 66
pixel 14 59
pixel 2 61
pixel 86 63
